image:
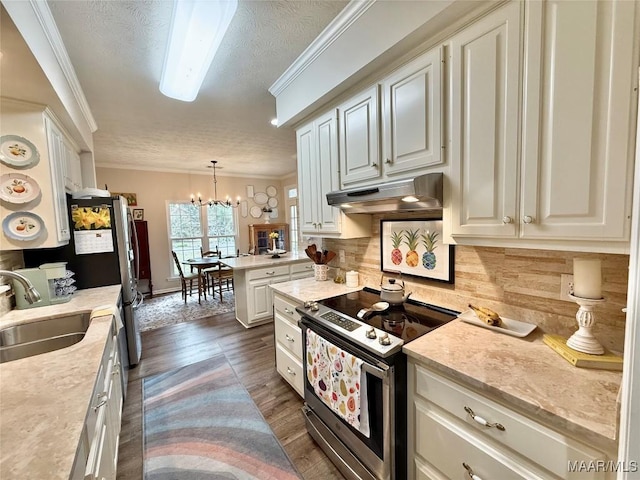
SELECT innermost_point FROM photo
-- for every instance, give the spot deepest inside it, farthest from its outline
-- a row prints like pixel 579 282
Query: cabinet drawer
pixel 287 308
pixel 306 267
pixel 288 335
pixel 447 444
pixel 290 369
pixel 527 437
pixel 268 272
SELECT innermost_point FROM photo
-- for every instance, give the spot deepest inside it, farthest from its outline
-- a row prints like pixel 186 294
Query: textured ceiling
pixel 117 49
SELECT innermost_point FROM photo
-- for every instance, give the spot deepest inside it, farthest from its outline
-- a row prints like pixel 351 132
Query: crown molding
pixel 51 32
pixel 209 171
pixel 342 22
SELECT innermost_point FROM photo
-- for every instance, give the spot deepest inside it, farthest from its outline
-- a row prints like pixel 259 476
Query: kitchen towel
pixel 338 380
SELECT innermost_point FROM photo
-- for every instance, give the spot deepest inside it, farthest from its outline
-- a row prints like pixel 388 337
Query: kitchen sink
pixel 34 338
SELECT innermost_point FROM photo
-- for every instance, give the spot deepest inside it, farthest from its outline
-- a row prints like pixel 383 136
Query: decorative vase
pixel 320 271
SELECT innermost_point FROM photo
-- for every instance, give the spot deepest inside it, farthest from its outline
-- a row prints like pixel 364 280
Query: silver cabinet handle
pixel 388 161
pixel 470 472
pixel 291 372
pixel 102 403
pixel 507 219
pixel 270 273
pixel 527 219
pixel 374 165
pixel 482 421
pixel 286 310
pixel 319 225
pixel 289 338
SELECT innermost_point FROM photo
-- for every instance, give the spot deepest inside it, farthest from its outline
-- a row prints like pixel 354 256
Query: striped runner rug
pixel 200 423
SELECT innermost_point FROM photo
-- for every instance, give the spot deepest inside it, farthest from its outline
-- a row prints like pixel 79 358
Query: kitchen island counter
pixel 246 262
pixel 527 374
pixel 44 398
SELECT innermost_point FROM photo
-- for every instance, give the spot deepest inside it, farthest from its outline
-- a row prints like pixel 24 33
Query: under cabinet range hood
pixel 413 194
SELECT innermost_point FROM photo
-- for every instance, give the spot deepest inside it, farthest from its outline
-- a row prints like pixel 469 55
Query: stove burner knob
pixel 314 307
pixel 371 333
pixel 307 304
pixel 384 339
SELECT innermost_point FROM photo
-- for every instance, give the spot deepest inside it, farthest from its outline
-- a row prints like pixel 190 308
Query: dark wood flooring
pixel 251 354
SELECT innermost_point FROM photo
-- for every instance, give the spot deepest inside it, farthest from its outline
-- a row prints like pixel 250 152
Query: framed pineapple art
pixel 414 247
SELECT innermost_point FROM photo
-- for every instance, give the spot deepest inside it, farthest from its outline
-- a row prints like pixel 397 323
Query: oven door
pixel 357 456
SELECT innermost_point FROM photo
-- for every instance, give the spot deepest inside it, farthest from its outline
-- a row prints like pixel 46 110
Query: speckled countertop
pixel 246 262
pixel 44 399
pixel 311 289
pixel 526 373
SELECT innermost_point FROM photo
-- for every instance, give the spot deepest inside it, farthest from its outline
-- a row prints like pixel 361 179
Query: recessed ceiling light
pixel 274 122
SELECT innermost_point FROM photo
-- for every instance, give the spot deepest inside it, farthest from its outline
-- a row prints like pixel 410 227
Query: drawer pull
pixel 470 472
pixel 102 403
pixel 290 312
pixel 270 273
pixel 291 372
pixel 289 338
pixel 482 421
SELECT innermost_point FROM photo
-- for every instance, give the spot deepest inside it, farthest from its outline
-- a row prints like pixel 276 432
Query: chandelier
pixel 214 201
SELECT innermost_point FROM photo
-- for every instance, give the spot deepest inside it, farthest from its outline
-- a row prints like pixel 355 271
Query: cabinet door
pixel 260 300
pixel 578 130
pixel 359 138
pixel 58 168
pixel 411 118
pixel 484 124
pixel 327 165
pixel 307 184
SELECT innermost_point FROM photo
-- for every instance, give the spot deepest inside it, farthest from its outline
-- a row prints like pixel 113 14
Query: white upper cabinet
pixel 542 141
pixel 578 132
pixel 484 70
pixel 359 138
pixel 317 147
pixel 411 120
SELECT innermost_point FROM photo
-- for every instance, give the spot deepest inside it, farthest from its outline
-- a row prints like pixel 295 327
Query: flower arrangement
pixel 274 235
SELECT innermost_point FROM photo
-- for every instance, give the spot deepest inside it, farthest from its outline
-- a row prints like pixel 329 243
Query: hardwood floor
pixel 251 354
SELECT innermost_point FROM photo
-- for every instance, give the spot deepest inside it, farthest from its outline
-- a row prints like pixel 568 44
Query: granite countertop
pixel 44 399
pixel 308 289
pixel 246 262
pixel 526 373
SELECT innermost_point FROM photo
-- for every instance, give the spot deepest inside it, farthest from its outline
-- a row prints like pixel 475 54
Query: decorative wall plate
pixel 256 212
pixel 23 226
pixel 273 202
pixel 273 213
pixel 272 191
pixel 18 188
pixel 260 198
pixel 18 152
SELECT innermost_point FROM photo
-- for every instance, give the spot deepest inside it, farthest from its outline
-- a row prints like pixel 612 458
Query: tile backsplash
pixel 9 259
pixel 522 284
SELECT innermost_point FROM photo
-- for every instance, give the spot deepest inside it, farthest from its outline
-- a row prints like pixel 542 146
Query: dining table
pixel 200 264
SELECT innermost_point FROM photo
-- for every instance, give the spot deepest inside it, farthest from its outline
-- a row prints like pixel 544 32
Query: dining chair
pixel 219 275
pixel 184 277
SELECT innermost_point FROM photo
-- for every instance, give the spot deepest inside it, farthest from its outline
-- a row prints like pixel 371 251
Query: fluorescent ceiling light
pixel 197 28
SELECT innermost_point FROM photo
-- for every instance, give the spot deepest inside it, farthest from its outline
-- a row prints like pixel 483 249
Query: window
pixel 187 236
pixel 292 202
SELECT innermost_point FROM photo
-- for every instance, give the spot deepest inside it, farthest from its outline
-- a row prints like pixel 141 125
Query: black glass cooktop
pixel 408 321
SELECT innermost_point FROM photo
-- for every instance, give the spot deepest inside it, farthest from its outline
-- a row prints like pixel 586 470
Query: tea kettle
pixel 393 291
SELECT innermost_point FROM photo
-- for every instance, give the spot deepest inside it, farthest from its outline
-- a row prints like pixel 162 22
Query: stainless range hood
pixel 414 194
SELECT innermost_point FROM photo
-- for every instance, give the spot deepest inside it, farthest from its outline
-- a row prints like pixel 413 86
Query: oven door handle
pixel 375 371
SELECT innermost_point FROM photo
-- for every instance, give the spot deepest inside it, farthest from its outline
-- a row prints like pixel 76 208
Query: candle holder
pixel 583 340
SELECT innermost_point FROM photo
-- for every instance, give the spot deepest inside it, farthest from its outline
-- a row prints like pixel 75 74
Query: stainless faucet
pixel 31 295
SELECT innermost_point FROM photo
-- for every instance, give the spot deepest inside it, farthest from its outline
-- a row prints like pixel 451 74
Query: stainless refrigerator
pixel 101 253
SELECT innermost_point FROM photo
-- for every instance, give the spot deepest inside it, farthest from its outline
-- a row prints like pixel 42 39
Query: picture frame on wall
pixel 138 214
pixel 414 247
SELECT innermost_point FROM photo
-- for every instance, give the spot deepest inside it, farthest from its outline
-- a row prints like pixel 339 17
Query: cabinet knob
pixel 388 161
pixel 374 165
pixel 289 338
pixel 527 219
pixel 482 421
pixel 507 219
pixel 469 470
pixel 291 372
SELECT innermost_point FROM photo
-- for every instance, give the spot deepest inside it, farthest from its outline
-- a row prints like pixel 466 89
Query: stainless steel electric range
pixel 346 325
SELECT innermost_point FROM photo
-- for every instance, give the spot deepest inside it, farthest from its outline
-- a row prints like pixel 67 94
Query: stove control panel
pixel 351 329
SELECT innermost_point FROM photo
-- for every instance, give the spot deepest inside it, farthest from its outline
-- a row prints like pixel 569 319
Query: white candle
pixel 587 278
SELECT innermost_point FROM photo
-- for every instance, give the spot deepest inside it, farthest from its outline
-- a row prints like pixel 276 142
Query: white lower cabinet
pixel 254 299
pixel 97 455
pixel 451 439
pixel 288 338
